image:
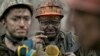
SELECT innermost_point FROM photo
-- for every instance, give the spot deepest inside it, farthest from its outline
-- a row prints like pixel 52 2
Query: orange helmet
pixel 91 6
pixel 49 8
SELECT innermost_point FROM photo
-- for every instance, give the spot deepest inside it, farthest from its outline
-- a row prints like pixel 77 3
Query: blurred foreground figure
pixel 85 18
pixel 16 16
pixel 49 15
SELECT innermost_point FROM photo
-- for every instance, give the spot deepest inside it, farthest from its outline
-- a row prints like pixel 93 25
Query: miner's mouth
pixel 50 32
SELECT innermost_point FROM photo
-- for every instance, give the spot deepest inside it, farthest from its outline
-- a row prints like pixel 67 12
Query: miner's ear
pixel 3 22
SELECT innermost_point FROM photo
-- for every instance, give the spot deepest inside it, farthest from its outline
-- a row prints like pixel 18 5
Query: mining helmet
pixel 8 4
pixel 49 8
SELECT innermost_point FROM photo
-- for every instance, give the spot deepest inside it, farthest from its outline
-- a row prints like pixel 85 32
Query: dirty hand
pixel 39 36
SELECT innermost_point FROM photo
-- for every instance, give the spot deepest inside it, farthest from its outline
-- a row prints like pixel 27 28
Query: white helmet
pixel 11 3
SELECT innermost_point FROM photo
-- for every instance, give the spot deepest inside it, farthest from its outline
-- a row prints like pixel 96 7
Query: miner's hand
pixel 39 36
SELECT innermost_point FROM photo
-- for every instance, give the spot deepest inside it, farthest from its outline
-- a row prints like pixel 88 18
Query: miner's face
pixel 18 21
pixel 87 27
pixel 50 25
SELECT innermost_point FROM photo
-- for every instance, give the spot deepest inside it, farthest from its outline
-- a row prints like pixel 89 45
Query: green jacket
pixel 4 51
pixel 63 42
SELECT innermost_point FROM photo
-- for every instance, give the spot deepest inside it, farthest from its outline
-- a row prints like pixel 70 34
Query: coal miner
pixel 16 16
pixel 49 14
